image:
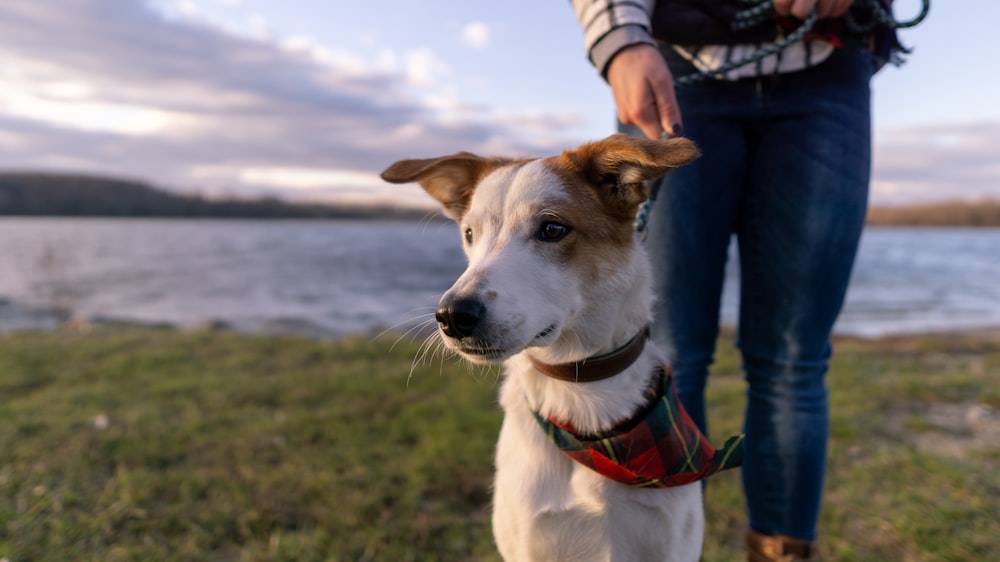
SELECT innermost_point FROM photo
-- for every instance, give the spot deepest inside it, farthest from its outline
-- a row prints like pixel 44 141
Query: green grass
pixel 162 445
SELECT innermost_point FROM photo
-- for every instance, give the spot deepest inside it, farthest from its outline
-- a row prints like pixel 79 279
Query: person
pixel 786 144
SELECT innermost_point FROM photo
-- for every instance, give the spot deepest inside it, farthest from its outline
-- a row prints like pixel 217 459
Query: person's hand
pixel 802 8
pixel 644 90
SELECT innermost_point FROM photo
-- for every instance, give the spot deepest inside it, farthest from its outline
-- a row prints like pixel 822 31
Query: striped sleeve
pixel 611 25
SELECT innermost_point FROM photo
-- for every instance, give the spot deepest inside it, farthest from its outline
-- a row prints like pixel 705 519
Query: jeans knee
pixel 797 383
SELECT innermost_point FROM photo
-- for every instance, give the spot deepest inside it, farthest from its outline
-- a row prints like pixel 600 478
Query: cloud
pixel 164 95
pixel 136 90
pixel 936 162
pixel 476 35
pixel 424 68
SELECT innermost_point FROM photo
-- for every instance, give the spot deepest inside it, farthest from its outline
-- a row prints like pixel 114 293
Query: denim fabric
pixel 785 169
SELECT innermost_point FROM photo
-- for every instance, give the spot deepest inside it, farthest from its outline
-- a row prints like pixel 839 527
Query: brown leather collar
pixel 599 367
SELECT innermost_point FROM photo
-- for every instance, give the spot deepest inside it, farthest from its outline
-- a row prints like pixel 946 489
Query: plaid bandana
pixel 660 447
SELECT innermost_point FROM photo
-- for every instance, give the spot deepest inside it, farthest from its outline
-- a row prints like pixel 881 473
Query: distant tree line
pixel 983 213
pixel 43 194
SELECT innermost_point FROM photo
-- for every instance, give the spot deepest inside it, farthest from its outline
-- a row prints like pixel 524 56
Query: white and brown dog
pixel 558 288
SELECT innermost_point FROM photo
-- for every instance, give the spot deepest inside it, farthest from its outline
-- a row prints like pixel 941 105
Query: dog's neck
pixel 598 367
pixel 598 405
pixel 591 407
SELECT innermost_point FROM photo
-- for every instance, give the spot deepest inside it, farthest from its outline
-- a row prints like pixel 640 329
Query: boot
pixel 778 548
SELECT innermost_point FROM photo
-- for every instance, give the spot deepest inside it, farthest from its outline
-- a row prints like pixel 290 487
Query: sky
pixel 311 99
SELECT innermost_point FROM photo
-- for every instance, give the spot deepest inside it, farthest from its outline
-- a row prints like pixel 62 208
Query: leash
pixel 757 12
pixel 760 11
pixel 881 15
pixel 746 19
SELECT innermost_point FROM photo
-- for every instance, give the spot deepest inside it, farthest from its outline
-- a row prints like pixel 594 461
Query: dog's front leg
pixel 545 506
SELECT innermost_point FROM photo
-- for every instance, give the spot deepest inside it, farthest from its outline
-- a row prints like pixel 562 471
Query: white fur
pixel 546 506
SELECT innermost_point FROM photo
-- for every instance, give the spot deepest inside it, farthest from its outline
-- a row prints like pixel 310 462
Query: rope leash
pixel 756 13
pixel 881 15
pixel 761 11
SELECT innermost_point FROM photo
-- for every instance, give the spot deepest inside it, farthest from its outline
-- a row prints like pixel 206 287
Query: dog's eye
pixel 468 236
pixel 551 231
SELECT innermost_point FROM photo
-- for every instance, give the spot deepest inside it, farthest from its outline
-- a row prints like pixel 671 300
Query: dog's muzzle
pixel 459 318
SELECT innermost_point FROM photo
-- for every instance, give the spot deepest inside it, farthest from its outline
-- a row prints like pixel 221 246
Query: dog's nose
pixel 458 318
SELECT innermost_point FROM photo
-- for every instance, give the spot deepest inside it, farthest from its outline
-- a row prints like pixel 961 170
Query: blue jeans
pixel 785 168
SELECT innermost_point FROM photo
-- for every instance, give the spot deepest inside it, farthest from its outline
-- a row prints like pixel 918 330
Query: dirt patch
pixel 956 430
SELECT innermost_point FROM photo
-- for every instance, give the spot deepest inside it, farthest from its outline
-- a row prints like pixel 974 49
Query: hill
pixel 43 194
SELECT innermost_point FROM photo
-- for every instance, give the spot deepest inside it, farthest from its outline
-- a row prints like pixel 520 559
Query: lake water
pixel 331 278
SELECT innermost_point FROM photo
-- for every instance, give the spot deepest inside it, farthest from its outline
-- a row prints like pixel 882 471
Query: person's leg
pixel 689 230
pixel 798 232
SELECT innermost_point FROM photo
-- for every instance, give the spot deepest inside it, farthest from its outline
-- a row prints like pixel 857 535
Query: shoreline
pixel 17 319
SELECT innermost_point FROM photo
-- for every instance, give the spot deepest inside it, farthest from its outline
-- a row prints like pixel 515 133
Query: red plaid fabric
pixel 659 447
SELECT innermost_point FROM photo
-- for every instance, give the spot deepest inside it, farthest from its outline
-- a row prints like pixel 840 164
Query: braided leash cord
pixel 758 12
pixel 745 19
pixel 881 15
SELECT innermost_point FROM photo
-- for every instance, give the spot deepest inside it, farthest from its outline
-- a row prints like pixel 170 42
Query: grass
pixel 164 445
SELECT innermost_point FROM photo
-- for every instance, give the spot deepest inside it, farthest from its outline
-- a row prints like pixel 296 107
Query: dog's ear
pixel 449 179
pixel 620 166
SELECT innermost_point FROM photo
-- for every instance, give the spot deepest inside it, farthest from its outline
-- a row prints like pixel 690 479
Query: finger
pixel 832 8
pixel 649 127
pixel 667 109
pixel 652 131
pixel 782 7
pixel 840 8
pixel 647 118
pixel 824 8
pixel 802 8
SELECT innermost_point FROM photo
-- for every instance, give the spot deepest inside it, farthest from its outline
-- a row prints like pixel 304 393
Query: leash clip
pixel 641 222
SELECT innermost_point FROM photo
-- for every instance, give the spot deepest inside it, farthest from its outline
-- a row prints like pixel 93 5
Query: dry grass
pixel 984 213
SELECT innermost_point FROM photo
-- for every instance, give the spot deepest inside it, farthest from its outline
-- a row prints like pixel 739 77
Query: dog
pixel 558 289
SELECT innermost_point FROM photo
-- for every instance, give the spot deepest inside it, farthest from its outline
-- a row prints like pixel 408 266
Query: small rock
pixel 980 414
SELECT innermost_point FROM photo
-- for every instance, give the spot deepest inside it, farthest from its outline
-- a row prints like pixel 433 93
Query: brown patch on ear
pixel 619 167
pixel 449 179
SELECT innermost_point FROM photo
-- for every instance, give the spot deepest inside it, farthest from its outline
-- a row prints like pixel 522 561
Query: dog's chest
pixel 548 507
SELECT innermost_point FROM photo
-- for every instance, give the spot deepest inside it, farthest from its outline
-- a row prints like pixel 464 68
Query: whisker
pixel 438 218
pixel 431 218
pixel 413 331
pixel 408 320
pixel 488 371
pixel 579 341
pixel 425 346
pixel 432 347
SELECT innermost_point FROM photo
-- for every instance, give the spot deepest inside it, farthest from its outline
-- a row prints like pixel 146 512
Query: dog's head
pixel 553 260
